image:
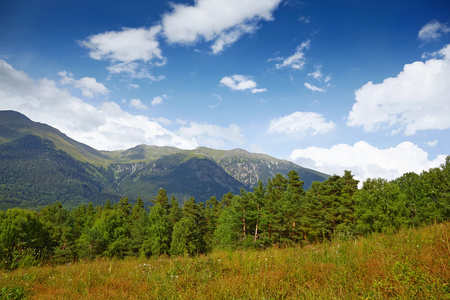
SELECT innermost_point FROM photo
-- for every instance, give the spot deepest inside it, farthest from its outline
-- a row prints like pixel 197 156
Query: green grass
pixel 412 264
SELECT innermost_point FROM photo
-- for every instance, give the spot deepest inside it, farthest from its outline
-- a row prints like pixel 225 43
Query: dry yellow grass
pixel 413 264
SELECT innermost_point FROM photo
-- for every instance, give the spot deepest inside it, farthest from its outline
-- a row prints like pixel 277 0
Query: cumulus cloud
pixel 366 161
pixel 137 103
pixel 216 21
pixel 432 31
pixel 105 126
pixel 241 83
pixel 416 99
pixel 301 123
pixel 88 85
pixel 127 45
pixel 314 88
pixel 297 60
pixel 159 99
pixel 212 135
pixel 124 48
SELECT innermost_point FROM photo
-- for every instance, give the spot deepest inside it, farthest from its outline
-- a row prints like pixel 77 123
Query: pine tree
pixel 212 211
pixel 187 233
pixel 175 212
pixel 138 227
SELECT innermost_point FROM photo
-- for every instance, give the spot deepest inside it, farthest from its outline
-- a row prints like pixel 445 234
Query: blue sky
pixel 331 85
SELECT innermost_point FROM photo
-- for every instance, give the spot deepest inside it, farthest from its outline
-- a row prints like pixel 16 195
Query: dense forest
pixel 278 213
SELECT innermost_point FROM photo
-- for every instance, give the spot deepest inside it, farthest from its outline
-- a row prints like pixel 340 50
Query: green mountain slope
pixel 33 173
pixel 14 125
pixel 40 165
pixel 247 168
pixel 181 174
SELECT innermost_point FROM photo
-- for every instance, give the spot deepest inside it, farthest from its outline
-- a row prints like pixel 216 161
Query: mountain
pixel 40 165
pixel 248 168
pixel 33 173
pixel 14 125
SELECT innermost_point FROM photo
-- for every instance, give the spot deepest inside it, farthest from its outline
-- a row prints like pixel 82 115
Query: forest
pixel 280 213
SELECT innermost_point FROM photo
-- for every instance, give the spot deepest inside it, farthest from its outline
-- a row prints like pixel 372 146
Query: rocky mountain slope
pixel 40 165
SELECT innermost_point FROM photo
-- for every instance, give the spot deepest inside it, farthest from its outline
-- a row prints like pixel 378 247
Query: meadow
pixel 411 264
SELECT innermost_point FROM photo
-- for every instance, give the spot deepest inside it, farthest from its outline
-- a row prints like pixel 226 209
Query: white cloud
pixel 305 20
pixel 254 91
pixel 105 127
pixel 432 143
pixel 297 60
pixel 137 103
pixel 159 99
pixel 162 121
pixel 88 85
pixel 133 86
pixel 217 21
pixel 301 123
pixel 433 31
pixel 366 161
pixel 134 70
pixel 212 135
pixel 417 99
pixel 125 48
pixel 241 83
pixel 317 74
pixel 314 88
pixel 219 100
pixel 130 44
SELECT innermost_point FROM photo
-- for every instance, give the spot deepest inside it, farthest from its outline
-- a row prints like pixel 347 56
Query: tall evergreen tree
pixel 158 238
pixel 186 235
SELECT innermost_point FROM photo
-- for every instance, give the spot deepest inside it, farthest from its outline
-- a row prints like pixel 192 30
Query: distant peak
pixel 13 114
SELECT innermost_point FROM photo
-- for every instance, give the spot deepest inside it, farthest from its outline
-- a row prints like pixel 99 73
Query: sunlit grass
pixel 413 264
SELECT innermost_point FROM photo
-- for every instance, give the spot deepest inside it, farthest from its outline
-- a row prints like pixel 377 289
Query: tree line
pixel 278 213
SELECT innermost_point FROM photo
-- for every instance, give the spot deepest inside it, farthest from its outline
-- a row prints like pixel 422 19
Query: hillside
pixel 247 168
pixel 33 173
pixel 412 264
pixel 36 156
pixel 14 125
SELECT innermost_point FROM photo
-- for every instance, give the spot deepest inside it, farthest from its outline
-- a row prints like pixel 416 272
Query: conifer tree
pixel 186 235
pixel 138 227
pixel 158 238
pixel 175 212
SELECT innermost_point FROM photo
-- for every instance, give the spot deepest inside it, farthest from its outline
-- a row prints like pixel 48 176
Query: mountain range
pixel 40 165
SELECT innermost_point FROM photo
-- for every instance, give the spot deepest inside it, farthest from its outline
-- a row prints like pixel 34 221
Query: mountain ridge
pixel 135 172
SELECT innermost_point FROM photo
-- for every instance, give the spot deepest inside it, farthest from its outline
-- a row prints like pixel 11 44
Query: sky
pixel 331 85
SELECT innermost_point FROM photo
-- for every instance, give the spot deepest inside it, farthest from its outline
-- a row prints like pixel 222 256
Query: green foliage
pixel 12 293
pixel 158 237
pixel 32 168
pixel 23 238
pixel 226 234
pixel 280 213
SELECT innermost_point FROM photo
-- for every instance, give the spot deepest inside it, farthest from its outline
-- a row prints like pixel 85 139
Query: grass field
pixel 413 264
